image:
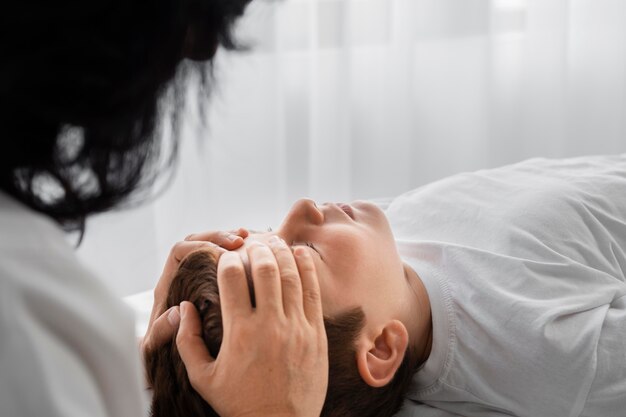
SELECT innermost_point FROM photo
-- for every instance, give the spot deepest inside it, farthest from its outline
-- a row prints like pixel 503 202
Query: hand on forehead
pixel 262 237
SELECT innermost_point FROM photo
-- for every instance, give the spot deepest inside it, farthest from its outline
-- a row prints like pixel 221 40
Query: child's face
pixel 354 252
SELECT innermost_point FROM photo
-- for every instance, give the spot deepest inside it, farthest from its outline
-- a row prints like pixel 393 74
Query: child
pixel 501 292
pixel 173 395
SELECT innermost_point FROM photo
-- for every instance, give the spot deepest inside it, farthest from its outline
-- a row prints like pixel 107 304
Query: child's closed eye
pixel 309 244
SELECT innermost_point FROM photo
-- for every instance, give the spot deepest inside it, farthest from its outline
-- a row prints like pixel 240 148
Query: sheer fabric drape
pixel 351 99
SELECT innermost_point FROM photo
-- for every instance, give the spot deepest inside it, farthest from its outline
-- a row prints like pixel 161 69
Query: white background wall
pixel 349 99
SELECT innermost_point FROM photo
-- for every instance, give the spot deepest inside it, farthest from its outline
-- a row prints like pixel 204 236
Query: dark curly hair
pixel 80 88
pixel 347 396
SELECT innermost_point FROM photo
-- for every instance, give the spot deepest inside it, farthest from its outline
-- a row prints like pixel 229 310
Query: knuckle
pixel 290 281
pixel 306 265
pixel 181 340
pixel 266 268
pixel 178 246
pixel 208 245
pixel 277 333
pixel 311 296
pixel 178 250
pixel 281 253
pixel 209 234
pixel 194 380
pixel 201 236
pixel 285 256
pixel 290 273
pixel 298 334
pixel 231 270
pixel 159 302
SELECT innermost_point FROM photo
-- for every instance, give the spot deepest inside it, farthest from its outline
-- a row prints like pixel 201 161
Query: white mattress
pixel 141 303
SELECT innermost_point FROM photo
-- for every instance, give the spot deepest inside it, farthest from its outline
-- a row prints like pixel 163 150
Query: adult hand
pixel 163 324
pixel 274 358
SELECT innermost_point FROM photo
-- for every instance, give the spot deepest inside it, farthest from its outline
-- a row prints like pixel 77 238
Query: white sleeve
pixel 61 362
pixel 67 344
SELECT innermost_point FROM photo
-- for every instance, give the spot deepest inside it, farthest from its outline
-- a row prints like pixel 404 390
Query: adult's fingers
pixel 230 240
pixel 266 279
pixel 291 287
pixel 233 286
pixel 181 249
pixel 191 347
pixel 311 295
pixel 163 329
pixel 178 252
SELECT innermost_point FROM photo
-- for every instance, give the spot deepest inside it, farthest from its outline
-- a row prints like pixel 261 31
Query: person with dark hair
pixel 80 92
pixel 80 108
pixel 495 293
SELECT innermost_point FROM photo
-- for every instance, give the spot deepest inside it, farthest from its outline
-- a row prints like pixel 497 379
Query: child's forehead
pixel 257 236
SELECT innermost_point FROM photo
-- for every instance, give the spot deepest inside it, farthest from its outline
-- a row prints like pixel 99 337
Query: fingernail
pixel 232 238
pixel 174 317
pixel 189 237
pixel 183 309
pixel 300 252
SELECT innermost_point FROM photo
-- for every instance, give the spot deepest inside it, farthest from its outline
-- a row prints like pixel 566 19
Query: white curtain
pixel 352 99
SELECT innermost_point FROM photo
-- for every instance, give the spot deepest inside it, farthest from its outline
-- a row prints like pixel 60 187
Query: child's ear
pixel 379 359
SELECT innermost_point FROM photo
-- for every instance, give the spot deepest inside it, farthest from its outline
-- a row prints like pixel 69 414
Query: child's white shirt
pixel 525 268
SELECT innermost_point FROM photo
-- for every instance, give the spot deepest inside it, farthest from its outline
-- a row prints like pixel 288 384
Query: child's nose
pixel 303 212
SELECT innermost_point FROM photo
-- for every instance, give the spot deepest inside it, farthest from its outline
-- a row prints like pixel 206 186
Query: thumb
pixel 163 328
pixel 194 353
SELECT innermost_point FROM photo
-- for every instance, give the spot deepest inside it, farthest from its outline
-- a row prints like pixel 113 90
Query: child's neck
pixel 420 324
